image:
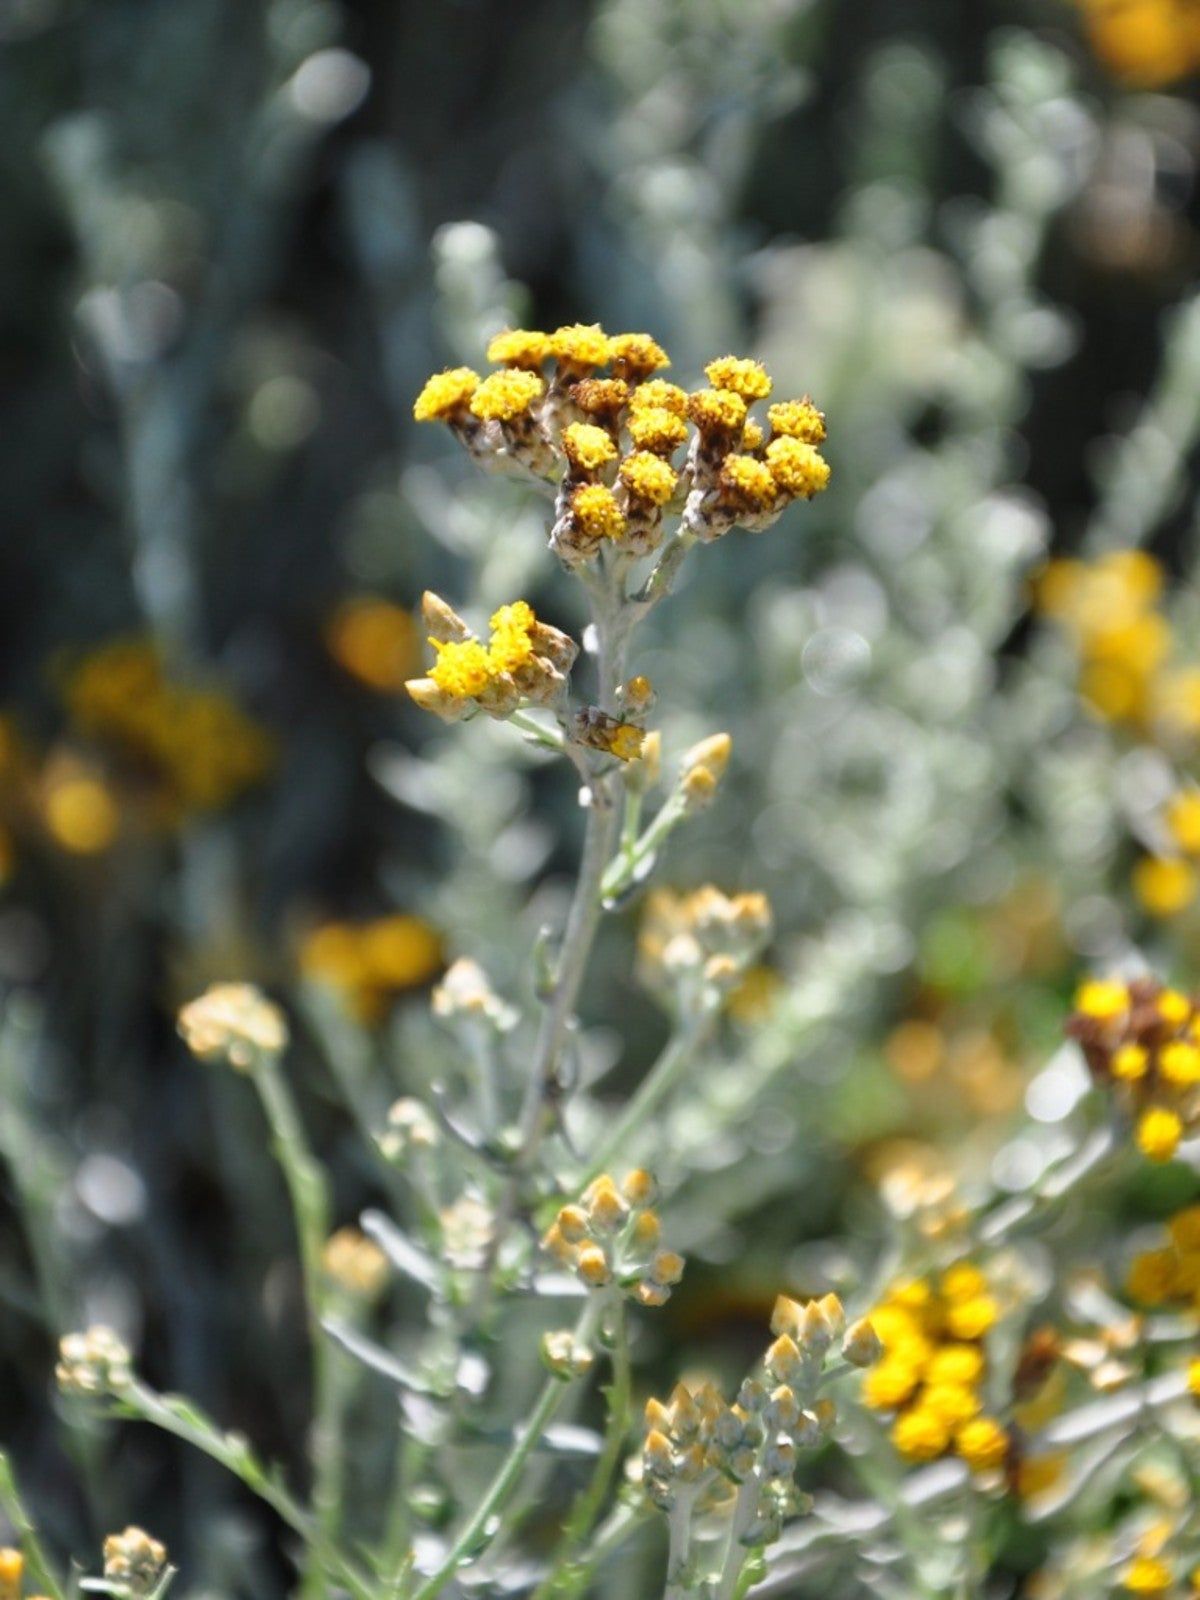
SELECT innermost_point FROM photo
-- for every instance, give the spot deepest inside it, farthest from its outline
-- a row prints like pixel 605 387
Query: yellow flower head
pixel 1130 1062
pixel 1193 1378
pixel 889 1384
pixel 445 394
pixel 748 482
pixel 657 395
pixel 752 436
pixel 797 419
pixel 587 446
pixel 597 512
pixel 1147 1575
pixel 743 376
pixel 600 397
pixel 519 347
pixel 955 1363
pixel 955 1403
pixel 1103 1000
pixel 982 1443
pixel 717 410
pixel 963 1281
pixel 657 429
pixel 626 742
pixel 637 355
pixel 462 668
pixel 1183 820
pixel 920 1435
pixel 1164 885
pixel 971 1319
pixel 648 477
pixel 1158 1133
pixel 374 640
pixel 1179 1063
pixel 1173 1007
pixel 798 468
pixel 580 344
pixel 511 646
pixel 506 395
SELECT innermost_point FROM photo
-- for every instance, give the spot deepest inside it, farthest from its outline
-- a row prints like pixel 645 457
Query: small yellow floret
pixel 1151 1277
pixel 920 1435
pixel 626 741
pixel 1164 885
pixel 1102 1000
pixel 1158 1133
pixel 743 376
pixel 659 394
pixel 1183 820
pixel 638 353
pixel 889 1384
pixel 445 393
pixel 798 468
pixel 1173 1007
pixel 1193 1378
pixel 580 344
pixel 597 512
pixel 955 1403
pixel 982 1443
pixel 511 646
pixel 963 1281
pixel 506 395
pixel 797 419
pixel 955 1363
pixel 1129 1063
pixel 717 410
pixel 752 436
pixel 1147 1575
pixel 519 347
pixel 1179 1063
pixel 655 428
pixel 12 1566
pixel 648 477
pixel 748 481
pixel 971 1319
pixel 462 668
pixel 587 446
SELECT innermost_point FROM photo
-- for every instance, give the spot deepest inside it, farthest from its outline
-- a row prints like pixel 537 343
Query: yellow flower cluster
pixel 704 936
pixel 1141 1041
pixel 369 963
pixel 199 746
pixel 235 1023
pixel 134 1563
pixel 1129 671
pixel 612 441
pixel 612 1237
pixel 933 1367
pixel 524 661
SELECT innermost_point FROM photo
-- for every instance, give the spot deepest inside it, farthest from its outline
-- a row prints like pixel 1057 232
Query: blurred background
pixel 237 238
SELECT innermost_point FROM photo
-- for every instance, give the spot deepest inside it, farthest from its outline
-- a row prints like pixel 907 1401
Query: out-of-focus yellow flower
pixel 1182 817
pixel 80 812
pixel 1164 885
pixel 1147 1575
pixel 371 962
pixel 1145 43
pixel 1159 1132
pixel 193 741
pixel 375 641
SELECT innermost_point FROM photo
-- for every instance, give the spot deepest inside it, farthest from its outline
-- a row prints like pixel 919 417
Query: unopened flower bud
pixel 95 1362
pixel 667 1267
pixel 563 1356
pixel 12 1566
pixel 862 1346
pixel 639 1187
pixel 783 1360
pixel 592 1266
pixel 573 1224
pixel 605 1207
pixel 134 1560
